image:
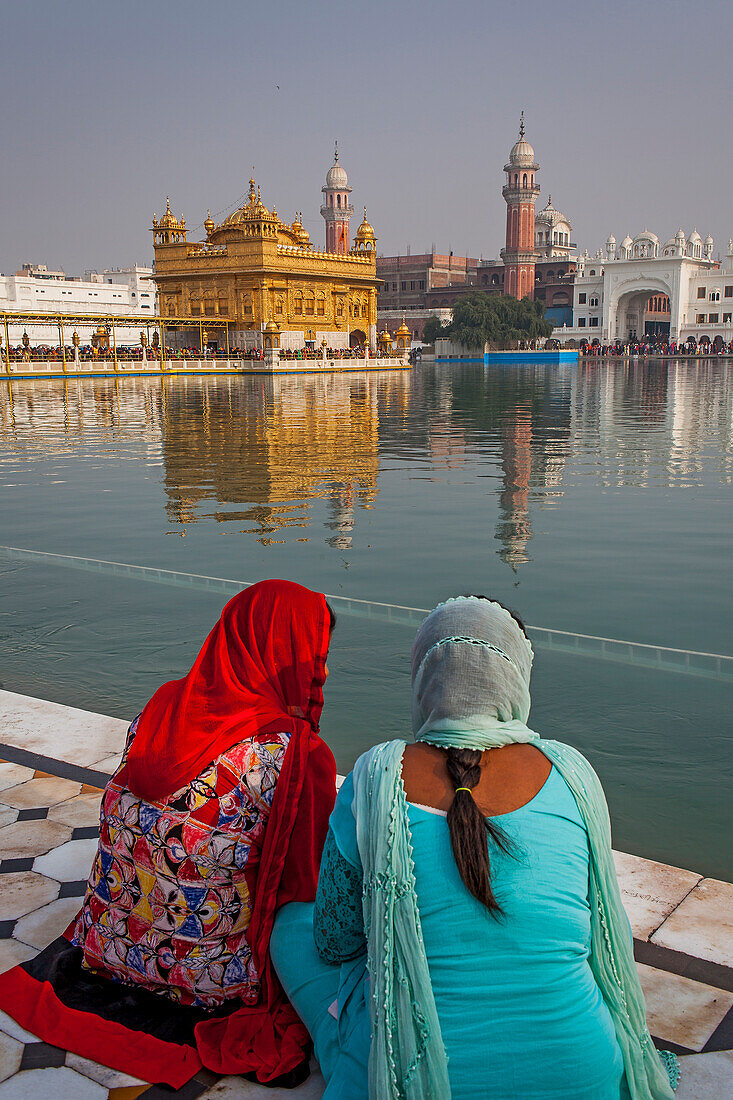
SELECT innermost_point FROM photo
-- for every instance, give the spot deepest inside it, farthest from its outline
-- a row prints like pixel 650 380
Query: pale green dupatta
pixel 471 666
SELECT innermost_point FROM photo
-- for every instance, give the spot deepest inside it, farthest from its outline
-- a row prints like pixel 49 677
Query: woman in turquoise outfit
pixel 468 938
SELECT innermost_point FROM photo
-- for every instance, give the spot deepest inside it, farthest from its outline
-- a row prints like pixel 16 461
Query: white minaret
pixel 337 209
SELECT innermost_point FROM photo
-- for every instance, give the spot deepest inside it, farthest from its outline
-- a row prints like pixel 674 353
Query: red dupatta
pixel 261 670
pixel 264 659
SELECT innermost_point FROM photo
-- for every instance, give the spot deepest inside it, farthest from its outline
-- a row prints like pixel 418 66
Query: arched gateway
pixel 626 304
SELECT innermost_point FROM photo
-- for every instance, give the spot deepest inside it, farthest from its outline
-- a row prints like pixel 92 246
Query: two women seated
pixel 451 927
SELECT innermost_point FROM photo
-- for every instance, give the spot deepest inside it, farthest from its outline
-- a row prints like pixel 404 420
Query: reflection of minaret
pixel 341 501
pixel 514 529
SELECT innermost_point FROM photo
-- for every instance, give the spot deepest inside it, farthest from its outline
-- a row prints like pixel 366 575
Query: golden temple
pixel 254 268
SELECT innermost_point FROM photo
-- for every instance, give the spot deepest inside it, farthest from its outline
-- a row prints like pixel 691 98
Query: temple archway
pixel 356 338
pixel 627 306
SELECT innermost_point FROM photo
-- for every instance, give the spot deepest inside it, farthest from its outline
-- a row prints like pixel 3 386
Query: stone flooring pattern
pixel 49 824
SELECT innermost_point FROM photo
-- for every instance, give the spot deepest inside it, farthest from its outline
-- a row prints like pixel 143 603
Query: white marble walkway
pixel 53 764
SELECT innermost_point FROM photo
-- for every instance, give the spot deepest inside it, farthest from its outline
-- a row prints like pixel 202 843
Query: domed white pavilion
pixel 553 232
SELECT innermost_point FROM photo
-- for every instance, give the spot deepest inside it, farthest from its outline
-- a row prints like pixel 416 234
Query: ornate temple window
pixel 278 307
pixel 321 306
pixel 363 309
pixel 298 305
pixel 339 308
pixel 310 304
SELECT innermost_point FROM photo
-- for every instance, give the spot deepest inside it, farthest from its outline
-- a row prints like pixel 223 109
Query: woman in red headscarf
pixel 215 818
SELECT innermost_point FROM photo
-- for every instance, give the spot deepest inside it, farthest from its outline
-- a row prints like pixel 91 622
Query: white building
pixel 552 234
pixel 612 290
pixel 35 289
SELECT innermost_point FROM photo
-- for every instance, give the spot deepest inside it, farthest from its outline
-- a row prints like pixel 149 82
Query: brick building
pixel 553 286
pixel 408 279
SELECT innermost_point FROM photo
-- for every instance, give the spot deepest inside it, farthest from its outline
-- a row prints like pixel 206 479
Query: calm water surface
pixel 590 498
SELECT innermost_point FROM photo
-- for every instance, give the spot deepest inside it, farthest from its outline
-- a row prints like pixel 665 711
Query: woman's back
pixel 516 999
pixel 175 880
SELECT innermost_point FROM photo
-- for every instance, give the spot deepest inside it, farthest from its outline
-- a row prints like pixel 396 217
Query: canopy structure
pixel 61 325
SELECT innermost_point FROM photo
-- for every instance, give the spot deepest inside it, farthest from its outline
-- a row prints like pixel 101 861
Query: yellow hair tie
pixel 463 789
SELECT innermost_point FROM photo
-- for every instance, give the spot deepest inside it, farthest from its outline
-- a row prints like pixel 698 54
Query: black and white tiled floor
pixel 53 764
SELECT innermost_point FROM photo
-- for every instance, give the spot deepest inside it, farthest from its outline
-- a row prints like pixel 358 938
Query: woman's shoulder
pixel 252 763
pixel 570 762
pixel 381 753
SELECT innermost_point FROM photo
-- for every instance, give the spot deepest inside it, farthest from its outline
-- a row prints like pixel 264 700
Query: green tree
pixel 432 330
pixel 498 320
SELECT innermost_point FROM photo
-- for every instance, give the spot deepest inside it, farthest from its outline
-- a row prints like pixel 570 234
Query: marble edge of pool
pixel 681 920
pixel 57 758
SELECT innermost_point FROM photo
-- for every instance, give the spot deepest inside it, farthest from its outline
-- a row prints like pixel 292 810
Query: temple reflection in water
pixel 299 440
pixel 271 458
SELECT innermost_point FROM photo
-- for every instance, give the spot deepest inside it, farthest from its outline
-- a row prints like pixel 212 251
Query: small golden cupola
pixel 365 239
pixel 209 225
pixel 301 235
pixel 403 336
pixel 169 230
pixel 272 335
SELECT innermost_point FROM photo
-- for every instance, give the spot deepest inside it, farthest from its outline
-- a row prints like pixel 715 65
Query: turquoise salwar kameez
pixel 540 1001
pixel 520 1012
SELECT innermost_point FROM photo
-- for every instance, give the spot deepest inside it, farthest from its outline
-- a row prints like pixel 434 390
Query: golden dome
pixel 271 326
pixel 301 235
pixel 255 210
pixel 209 223
pixel 169 220
pixel 365 232
pixel 403 330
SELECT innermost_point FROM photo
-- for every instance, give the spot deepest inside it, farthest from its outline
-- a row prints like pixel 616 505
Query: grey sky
pixel 109 107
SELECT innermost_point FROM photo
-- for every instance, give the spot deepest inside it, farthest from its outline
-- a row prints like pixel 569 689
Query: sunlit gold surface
pixel 331 423
pixel 254 267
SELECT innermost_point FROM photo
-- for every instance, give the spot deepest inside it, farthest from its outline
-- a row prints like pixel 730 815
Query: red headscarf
pixel 265 657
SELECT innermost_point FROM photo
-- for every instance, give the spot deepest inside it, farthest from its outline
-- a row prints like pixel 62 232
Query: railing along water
pixel 716 666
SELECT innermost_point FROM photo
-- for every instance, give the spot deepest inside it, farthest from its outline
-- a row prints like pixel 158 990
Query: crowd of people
pixel 134 354
pixel 648 348
pixel 448 925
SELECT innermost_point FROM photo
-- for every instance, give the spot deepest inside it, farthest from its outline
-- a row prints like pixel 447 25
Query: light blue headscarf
pixel 471 666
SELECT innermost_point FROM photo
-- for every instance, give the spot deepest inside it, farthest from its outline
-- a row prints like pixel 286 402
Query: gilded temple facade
pixel 254 268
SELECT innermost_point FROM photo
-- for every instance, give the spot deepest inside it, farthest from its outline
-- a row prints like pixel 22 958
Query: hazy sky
pixel 108 107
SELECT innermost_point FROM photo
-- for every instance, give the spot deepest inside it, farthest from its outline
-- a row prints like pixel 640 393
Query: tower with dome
pixel 337 208
pixel 520 193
